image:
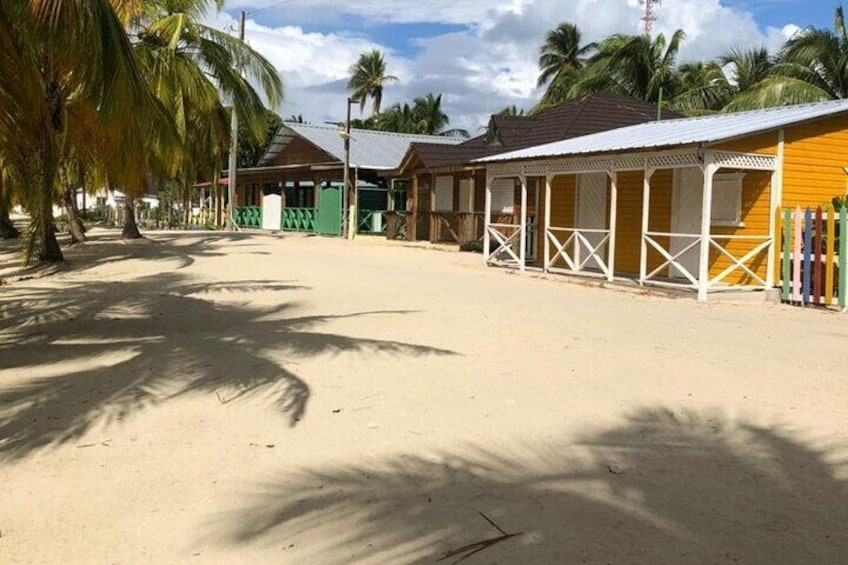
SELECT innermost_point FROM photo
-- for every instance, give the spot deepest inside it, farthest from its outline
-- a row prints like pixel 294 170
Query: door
pixel 272 208
pixel 686 202
pixel 591 213
pixel 328 219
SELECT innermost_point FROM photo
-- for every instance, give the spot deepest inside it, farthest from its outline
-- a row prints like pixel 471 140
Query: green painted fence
pixel 248 216
pixel 372 221
pixel 813 252
pixel 298 219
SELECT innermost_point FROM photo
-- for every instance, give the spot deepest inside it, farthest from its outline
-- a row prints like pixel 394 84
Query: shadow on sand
pixel 97 351
pixel 661 488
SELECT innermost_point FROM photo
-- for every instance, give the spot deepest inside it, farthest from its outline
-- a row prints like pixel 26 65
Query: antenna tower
pixel 650 15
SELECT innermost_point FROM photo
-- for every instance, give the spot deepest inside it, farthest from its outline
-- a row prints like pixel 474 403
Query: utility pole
pixel 650 15
pixel 347 229
pixel 233 165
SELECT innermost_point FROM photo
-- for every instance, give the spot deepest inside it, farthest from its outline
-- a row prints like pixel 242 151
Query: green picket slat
pixel 843 256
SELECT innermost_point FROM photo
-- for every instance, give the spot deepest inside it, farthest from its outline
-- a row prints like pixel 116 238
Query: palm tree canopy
pixel 368 75
pixel 562 57
pixel 635 66
pixel 428 114
pixel 562 50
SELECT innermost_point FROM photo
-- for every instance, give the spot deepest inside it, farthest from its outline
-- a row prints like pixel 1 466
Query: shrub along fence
pixel 813 256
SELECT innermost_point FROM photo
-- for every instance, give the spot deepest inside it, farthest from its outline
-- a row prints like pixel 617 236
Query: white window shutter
pixel 727 200
pixel 503 196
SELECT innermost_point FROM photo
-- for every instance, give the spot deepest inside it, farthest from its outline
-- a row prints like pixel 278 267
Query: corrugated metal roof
pixel 679 132
pixel 369 149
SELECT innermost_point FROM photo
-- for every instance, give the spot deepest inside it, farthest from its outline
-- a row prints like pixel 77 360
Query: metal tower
pixel 650 15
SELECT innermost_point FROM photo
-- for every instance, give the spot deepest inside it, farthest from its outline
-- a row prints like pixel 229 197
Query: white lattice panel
pixel 630 164
pixel 536 170
pixel 673 160
pixel 751 161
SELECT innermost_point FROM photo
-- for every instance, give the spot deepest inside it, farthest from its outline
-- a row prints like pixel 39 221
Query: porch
pixel 697 219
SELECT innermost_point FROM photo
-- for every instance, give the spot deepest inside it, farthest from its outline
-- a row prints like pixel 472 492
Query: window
pixel 503 196
pixel 444 194
pixel 727 200
pixel 465 195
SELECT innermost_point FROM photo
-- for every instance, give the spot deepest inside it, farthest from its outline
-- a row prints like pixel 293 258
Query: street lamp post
pixel 347 229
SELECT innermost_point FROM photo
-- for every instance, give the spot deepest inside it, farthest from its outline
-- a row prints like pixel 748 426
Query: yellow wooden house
pixel 685 203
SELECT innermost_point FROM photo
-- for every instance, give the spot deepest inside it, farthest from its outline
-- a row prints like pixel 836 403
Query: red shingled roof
pixel 591 114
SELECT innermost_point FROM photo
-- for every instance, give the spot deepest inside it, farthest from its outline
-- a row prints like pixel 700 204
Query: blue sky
pixel 778 13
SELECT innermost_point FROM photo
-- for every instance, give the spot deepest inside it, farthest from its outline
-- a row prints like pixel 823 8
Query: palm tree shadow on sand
pixel 100 351
pixel 663 487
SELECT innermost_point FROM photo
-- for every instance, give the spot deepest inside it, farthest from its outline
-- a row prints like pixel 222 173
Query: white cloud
pixel 489 65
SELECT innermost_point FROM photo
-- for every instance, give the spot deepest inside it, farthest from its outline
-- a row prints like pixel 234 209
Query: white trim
pixel 775 200
pixel 548 186
pixel 522 238
pixel 671 159
pixel 646 204
pixel 487 218
pixel 706 211
pixel 613 204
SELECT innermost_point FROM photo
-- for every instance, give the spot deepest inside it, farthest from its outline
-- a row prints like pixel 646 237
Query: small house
pixel 684 203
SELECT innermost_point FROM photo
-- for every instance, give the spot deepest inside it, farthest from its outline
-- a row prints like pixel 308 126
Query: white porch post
pixel 775 199
pixel 646 203
pixel 487 215
pixel 547 224
pixel 706 213
pixel 613 214
pixel 522 236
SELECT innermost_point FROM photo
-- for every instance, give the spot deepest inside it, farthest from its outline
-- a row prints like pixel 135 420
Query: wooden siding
pixel 299 152
pixel 814 155
pixel 763 143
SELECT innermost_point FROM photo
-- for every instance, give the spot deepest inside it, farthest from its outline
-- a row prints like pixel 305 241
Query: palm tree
pixel 634 66
pixel 428 114
pixel 399 119
pixel 561 56
pixel 192 68
pixel 512 111
pixel 813 66
pixel 56 55
pixel 704 89
pixel 7 228
pixel 368 75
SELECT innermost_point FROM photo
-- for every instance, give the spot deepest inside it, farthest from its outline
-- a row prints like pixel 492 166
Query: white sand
pixel 202 398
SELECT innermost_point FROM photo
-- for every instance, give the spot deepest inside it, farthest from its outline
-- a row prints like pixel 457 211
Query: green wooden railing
pixel 372 221
pixel 248 216
pixel 298 219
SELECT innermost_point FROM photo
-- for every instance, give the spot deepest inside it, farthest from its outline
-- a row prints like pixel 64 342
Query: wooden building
pixel 686 203
pixel 446 193
pixel 297 185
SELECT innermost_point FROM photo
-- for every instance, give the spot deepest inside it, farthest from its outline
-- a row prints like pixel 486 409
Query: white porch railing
pixel 506 243
pixel 691 241
pixel 578 241
pixel 738 263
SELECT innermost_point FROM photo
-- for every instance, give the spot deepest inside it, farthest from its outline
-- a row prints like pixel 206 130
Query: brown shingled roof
pixel 591 114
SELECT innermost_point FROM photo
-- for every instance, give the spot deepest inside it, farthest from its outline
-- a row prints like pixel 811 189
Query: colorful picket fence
pixel 813 252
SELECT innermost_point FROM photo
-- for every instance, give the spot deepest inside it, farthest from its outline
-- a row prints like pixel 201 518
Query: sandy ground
pixel 214 398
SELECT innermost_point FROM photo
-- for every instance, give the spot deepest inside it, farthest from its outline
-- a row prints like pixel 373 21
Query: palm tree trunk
pixel 75 227
pixel 7 228
pixel 130 229
pixel 48 249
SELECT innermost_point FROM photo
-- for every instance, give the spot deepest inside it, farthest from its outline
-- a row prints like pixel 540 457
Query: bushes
pixel 472 246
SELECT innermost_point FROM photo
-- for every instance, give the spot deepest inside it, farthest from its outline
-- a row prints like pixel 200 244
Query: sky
pixel 481 55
